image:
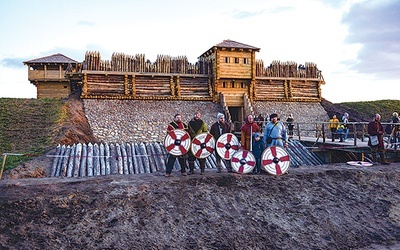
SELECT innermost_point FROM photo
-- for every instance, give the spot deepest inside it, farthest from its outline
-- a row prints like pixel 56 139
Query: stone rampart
pixel 146 121
pixel 139 120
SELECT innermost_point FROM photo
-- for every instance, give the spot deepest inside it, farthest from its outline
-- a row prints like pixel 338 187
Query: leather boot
pixel 202 166
pixel 374 161
pixel 383 162
pixel 229 166
pixel 191 167
pixel 219 167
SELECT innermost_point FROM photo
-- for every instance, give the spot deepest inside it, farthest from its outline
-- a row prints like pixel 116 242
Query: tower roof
pixel 232 44
pixel 229 44
pixel 56 58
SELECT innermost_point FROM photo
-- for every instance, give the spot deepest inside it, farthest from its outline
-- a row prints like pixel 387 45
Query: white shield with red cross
pixel 227 144
pixel 243 162
pixel 275 160
pixel 203 145
pixel 360 163
pixel 177 142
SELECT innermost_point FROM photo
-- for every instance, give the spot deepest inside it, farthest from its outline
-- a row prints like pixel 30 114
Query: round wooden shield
pixel 203 145
pixel 243 162
pixel 177 142
pixel 227 144
pixel 275 160
pixel 360 163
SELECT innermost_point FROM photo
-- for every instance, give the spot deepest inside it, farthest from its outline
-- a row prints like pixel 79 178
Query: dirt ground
pixel 324 207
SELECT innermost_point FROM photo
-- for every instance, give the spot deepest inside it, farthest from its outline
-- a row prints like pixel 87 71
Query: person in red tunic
pixel 375 128
pixel 247 131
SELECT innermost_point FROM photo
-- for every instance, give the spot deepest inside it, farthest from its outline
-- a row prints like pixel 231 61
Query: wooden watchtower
pixel 48 75
pixel 234 73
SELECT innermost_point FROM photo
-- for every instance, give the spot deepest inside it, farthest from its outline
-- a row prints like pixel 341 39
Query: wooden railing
pixel 319 130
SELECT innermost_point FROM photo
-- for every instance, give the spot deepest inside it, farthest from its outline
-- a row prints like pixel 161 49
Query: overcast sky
pixel 354 43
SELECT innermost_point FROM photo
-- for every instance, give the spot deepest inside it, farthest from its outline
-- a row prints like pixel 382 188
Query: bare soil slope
pixel 327 207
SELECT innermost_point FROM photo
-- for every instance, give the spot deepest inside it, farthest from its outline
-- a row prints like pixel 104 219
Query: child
pixel 258 147
pixel 340 131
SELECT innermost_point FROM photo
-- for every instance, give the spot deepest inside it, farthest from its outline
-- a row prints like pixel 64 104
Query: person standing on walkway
pixel 219 128
pixel 260 122
pixel 290 121
pixel 375 129
pixel 275 133
pixel 176 124
pixel 247 131
pixel 196 126
pixel 333 125
pixel 345 120
pixel 395 129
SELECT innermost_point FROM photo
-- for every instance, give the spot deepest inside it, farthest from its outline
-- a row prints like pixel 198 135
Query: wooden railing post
pixel 355 134
pixel 298 131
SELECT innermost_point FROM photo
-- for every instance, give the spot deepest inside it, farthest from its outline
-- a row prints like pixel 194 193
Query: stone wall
pixel 146 121
pixel 140 120
pixel 308 114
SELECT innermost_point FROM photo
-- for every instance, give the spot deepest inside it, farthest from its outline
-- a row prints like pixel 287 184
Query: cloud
pixel 246 14
pixel 85 23
pixel 376 26
pixel 13 62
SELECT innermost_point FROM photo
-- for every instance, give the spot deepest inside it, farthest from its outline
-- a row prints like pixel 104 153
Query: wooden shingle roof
pixel 233 44
pixel 229 44
pixel 56 58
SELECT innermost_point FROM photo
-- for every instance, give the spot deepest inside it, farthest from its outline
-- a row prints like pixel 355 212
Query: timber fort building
pixel 226 78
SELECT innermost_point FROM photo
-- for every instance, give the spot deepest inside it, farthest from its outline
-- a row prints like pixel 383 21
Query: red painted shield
pixel 243 162
pixel 203 145
pixel 177 142
pixel 275 160
pixel 227 144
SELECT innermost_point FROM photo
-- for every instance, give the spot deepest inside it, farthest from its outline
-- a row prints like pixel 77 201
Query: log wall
pixel 234 64
pixel 270 89
pixel 152 86
pixel 115 85
pixel 174 78
pixel 105 84
pixel 287 90
pixel 195 87
pixel 53 89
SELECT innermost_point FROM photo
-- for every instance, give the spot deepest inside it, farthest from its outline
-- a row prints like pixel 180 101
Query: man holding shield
pixel 176 124
pixel 196 126
pixel 219 128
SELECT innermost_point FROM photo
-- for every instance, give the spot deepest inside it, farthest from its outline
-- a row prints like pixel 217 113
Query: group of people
pixel 195 127
pixel 261 122
pixel 250 140
pixel 339 128
pixel 274 135
pixel 375 130
pixel 376 133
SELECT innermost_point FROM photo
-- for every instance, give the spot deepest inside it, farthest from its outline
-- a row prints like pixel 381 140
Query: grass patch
pixel 28 127
pixel 368 109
